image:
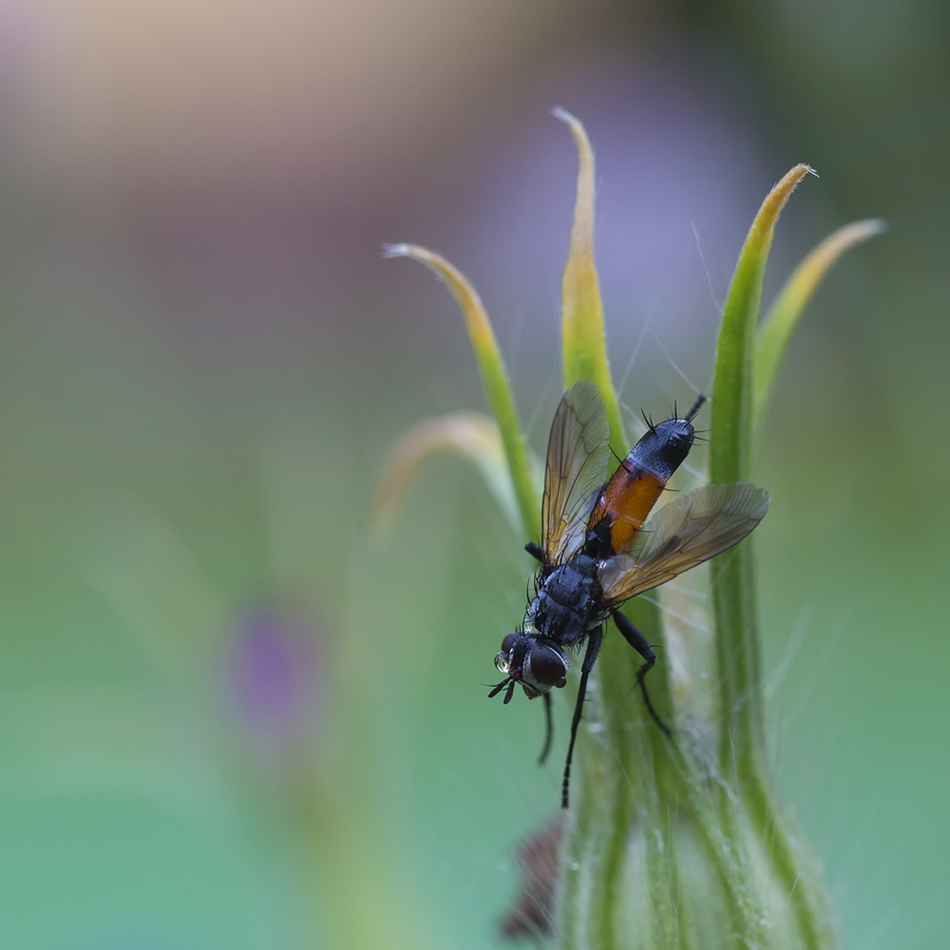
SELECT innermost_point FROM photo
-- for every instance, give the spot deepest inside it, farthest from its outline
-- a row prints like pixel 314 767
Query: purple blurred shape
pixel 272 674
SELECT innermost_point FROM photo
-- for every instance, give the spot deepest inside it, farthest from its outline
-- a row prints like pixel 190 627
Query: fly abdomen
pixel 633 490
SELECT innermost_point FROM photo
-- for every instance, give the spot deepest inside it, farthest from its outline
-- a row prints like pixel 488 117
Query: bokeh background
pixel 230 717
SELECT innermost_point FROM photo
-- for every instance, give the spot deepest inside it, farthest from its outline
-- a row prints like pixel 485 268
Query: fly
pixel 596 552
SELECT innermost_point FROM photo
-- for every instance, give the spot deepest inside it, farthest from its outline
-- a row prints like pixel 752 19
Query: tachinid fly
pixel 594 555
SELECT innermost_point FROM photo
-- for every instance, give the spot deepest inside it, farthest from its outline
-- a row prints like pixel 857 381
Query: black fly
pixel 594 555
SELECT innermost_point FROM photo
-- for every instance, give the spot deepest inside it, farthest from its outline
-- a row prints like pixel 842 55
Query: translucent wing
pixel 576 469
pixel 682 534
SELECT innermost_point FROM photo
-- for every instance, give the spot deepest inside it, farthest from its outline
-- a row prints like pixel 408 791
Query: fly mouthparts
pixel 510 683
pixel 497 689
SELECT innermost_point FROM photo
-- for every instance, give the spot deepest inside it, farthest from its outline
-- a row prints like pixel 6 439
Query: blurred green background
pixel 230 717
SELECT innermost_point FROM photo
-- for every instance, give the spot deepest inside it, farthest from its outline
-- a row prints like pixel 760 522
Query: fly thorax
pixel 567 602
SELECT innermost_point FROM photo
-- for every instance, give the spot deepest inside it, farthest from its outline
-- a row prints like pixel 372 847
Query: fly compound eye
pixel 548 667
pixel 508 642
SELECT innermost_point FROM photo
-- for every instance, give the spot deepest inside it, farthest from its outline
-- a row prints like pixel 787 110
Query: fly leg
pixel 535 551
pixel 548 729
pixel 593 648
pixel 639 643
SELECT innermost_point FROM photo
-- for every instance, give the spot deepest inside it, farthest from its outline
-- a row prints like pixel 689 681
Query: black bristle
pixel 700 399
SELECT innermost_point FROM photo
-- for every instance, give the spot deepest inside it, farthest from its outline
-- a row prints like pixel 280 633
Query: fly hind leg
pixel 639 643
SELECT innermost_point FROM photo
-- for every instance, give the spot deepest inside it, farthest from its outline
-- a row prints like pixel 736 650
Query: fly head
pixel 536 665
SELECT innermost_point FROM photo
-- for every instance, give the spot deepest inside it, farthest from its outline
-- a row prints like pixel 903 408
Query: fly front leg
pixel 590 657
pixel 548 729
pixel 536 551
pixel 638 641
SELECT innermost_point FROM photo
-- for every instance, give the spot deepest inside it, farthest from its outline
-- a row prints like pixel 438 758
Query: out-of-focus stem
pixel 787 308
pixel 494 378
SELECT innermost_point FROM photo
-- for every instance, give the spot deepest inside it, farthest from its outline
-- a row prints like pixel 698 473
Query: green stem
pixel 735 613
pixel 620 775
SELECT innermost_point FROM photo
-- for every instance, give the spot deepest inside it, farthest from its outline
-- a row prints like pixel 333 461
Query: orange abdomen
pixel 625 501
pixel 622 507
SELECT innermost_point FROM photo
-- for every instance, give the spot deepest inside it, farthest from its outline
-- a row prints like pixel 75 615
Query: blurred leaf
pixel 582 321
pixel 784 314
pixel 472 435
pixel 494 377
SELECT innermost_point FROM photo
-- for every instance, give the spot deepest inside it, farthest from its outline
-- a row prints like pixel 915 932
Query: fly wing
pixel 576 468
pixel 682 534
